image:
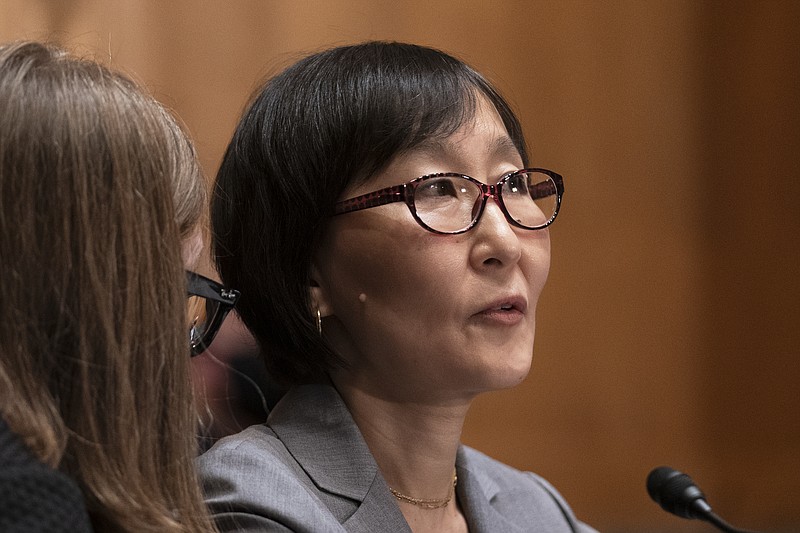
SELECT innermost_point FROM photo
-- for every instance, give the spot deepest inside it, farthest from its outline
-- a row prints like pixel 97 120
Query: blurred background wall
pixel 669 331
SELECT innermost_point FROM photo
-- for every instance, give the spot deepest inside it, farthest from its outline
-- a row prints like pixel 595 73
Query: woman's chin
pixel 512 373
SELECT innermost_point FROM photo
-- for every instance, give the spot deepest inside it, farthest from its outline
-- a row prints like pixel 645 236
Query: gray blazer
pixel 308 469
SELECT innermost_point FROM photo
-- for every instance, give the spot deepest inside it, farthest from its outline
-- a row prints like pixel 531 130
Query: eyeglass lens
pixel 201 313
pixel 451 203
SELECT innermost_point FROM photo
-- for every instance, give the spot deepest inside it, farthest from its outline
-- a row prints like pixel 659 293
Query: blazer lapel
pixel 314 424
pixel 477 494
pixel 378 512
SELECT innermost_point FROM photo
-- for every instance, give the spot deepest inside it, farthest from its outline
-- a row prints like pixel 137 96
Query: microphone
pixel 676 493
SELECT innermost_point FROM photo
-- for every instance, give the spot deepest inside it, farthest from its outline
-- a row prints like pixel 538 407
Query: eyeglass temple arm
pixel 543 189
pixel 207 288
pixel 385 196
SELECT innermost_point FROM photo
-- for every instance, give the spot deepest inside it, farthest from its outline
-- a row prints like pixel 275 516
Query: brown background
pixel 668 333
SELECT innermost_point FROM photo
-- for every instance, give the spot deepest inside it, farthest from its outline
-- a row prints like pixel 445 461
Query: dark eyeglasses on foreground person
pixel 208 303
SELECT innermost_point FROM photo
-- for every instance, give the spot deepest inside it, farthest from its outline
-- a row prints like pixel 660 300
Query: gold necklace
pixel 426 503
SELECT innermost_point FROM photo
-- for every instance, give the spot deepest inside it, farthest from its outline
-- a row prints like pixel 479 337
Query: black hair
pixel 332 120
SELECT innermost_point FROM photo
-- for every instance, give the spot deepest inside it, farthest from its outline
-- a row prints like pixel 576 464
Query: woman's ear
pixel 318 294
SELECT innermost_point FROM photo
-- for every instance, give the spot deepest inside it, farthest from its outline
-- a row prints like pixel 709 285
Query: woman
pixel 101 198
pixel 388 289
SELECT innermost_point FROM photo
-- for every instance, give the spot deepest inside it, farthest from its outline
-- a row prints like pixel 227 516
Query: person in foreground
pixel 101 198
pixel 376 209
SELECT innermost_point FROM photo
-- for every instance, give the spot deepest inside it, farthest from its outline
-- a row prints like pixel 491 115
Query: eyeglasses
pixel 208 303
pixel 449 203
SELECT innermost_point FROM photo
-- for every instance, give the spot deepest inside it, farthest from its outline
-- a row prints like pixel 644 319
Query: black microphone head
pixel 676 493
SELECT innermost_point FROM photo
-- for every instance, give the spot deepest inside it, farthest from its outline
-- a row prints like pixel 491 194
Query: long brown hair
pixel 94 365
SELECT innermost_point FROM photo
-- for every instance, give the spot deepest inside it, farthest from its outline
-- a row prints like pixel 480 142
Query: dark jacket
pixel 35 498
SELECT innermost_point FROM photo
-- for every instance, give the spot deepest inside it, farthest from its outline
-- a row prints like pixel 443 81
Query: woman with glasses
pixel 379 212
pixel 101 199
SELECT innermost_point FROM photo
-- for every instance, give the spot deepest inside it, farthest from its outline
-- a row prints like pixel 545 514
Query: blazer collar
pixel 332 451
pixel 316 427
pixel 476 492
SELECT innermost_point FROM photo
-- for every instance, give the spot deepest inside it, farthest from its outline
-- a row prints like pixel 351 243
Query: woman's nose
pixel 496 241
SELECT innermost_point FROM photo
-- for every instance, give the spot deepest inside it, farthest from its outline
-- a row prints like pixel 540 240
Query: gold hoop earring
pixel 319 322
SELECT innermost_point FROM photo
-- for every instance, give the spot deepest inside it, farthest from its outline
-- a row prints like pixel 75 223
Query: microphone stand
pixel 721 524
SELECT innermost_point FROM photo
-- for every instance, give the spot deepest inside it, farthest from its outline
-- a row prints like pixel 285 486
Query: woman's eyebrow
pixel 501 146
pixel 435 147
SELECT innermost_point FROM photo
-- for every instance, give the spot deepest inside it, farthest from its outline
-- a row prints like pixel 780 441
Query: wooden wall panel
pixel 751 282
pixel 668 330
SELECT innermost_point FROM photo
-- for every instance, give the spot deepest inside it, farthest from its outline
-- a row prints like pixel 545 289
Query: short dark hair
pixel 331 120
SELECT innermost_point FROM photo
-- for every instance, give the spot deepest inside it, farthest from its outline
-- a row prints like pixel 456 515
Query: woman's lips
pixel 504 311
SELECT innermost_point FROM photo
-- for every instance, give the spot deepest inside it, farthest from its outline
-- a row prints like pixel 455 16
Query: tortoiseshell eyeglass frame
pixel 405 193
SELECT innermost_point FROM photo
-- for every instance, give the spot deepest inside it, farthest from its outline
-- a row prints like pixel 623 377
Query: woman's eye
pixel 517 185
pixel 442 187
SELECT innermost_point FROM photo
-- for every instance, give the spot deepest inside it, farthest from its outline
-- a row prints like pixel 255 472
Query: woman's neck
pixel 415 446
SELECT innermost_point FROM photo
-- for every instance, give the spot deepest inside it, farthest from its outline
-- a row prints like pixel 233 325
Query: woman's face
pixel 420 315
